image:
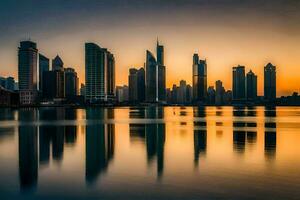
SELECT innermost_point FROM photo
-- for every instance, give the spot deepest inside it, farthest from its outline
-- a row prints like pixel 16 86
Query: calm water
pixel 150 153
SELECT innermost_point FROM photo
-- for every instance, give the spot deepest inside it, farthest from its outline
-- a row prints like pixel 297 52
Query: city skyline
pixel 256 42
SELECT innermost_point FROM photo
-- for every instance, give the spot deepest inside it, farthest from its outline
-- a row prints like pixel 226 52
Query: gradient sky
pixel 225 32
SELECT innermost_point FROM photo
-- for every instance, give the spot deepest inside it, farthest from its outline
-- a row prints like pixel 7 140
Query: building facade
pixel 220 91
pixel 238 83
pixel 199 80
pixel 251 85
pixel 71 83
pixel 99 74
pixel 270 83
pixel 43 67
pixel 27 72
pixel 151 78
pixel 136 81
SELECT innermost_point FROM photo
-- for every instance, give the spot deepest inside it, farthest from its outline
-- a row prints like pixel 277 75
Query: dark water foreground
pixel 150 153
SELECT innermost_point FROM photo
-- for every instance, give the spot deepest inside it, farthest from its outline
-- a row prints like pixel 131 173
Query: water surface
pixel 150 153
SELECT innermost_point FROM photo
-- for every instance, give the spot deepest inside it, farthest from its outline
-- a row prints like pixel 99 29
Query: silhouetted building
pixel 43 67
pixel 71 83
pixel 82 89
pixel 251 85
pixel 8 83
pixel 181 98
pixel 151 78
pixel 122 94
pixel 228 97
pixel 110 76
pixel 199 79
pixel 189 93
pixel 8 97
pixel 136 81
pixel 161 72
pixel 57 64
pixel 54 85
pixel 270 83
pixel 99 74
pixel 220 91
pixel 211 95
pixel 27 72
pixel 238 83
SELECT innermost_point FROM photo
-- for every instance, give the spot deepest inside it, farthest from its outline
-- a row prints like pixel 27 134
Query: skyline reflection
pixel 53 139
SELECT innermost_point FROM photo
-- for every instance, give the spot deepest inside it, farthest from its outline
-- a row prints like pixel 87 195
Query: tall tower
pixel 238 83
pixel 27 72
pixel 199 79
pixel 151 78
pixel 251 85
pixel 161 72
pixel 99 74
pixel 43 67
pixel 270 83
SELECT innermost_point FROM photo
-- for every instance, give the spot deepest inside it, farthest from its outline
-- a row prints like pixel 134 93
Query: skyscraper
pixel 238 83
pixel 199 79
pixel 160 54
pixel 71 83
pixel 136 81
pixel 182 90
pixel 151 78
pixel 43 67
pixel 53 84
pixel 99 74
pixel 110 77
pixel 27 72
pixel 270 83
pixel 251 85
pixel 155 76
pixel 161 72
pixel 220 91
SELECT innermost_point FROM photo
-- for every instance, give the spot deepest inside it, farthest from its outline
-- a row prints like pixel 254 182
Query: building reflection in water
pixel 100 142
pixel 55 135
pixel 152 133
pixel 200 133
pixel 244 127
pixel 270 132
pixel 28 152
pixel 7 114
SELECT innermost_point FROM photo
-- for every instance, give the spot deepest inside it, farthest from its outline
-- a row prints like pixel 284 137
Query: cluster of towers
pixel 147 84
pixel 244 87
pixel 37 82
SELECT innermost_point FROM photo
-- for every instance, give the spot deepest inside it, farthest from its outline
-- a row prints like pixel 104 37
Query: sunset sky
pixel 225 32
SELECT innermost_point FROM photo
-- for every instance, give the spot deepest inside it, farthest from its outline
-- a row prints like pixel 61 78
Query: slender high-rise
pixel 238 83
pixel 151 78
pixel 155 76
pixel 136 82
pixel 43 67
pixel 251 86
pixel 71 83
pixel 161 74
pixel 27 72
pixel 99 74
pixel 199 79
pixel 270 83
